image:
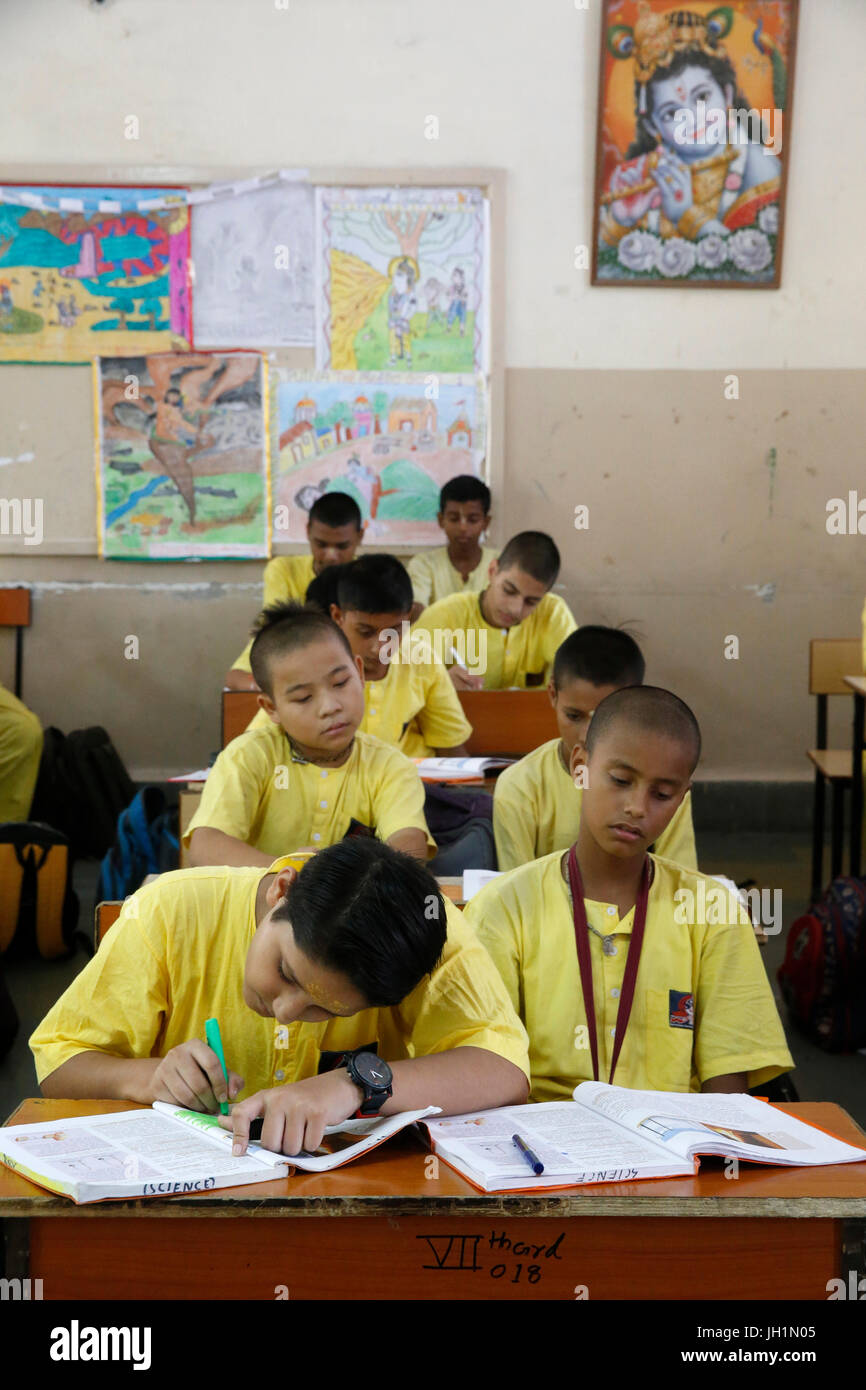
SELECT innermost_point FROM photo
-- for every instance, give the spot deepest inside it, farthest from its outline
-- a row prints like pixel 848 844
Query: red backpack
pixel 823 975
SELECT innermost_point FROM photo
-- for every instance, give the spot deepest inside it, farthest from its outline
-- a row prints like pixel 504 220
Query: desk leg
pixel 16 1248
pixel 857 783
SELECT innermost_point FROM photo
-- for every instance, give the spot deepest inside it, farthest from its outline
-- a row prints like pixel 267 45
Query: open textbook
pixel 167 1151
pixel 612 1134
pixel 457 769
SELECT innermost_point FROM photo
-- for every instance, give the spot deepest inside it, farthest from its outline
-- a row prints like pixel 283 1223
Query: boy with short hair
pixel 536 802
pixel 308 778
pixel 562 930
pixel 461 565
pixel 510 631
pixel 334 532
pixel 356 953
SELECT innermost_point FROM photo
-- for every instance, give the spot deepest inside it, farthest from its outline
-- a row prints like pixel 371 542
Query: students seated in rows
pixel 410 704
pixel 20 751
pixel 334 532
pixel 357 952
pixel 536 804
pixel 508 634
pixel 702 1015
pixel 308 777
pixel 460 566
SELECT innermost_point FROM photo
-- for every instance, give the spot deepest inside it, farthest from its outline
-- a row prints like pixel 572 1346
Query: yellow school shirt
pixel 176 956
pixel 433 575
pixel 20 751
pixel 257 792
pixel 525 921
pixel 286 577
pixel 415 708
pixel 536 810
pixel 517 656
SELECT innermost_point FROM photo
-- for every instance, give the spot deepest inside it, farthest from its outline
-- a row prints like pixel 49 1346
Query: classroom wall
pixel 614 399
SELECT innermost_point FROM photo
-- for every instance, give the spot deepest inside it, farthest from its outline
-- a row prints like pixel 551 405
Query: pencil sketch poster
pixel 182 456
pixel 389 441
pixel 76 284
pixel 253 263
pixel 402 279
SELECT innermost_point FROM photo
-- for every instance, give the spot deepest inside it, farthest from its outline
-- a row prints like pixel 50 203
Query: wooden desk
pixel 382 1227
pixel 507 722
pixel 238 708
pixel 858 686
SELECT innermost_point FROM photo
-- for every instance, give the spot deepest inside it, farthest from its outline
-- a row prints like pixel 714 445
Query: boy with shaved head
pixel 617 969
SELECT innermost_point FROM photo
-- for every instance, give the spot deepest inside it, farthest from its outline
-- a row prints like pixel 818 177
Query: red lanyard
pixel 581 933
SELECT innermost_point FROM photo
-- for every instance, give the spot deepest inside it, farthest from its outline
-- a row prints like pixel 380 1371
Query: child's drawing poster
pixel 402 279
pixel 389 441
pixel 253 266
pixel 92 271
pixel 182 456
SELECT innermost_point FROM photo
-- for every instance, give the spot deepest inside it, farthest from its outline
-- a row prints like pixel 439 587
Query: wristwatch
pixel 374 1078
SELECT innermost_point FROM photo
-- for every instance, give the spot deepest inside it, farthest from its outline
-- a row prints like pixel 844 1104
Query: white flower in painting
pixel 768 219
pixel 750 250
pixel 712 251
pixel 676 258
pixel 638 251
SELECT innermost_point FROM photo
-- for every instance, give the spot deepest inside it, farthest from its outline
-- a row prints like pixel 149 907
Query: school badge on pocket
pixel 681 1009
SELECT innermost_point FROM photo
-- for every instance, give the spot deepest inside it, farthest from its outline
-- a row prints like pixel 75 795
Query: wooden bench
pixel 15 612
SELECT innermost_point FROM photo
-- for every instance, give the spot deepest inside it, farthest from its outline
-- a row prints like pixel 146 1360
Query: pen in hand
pixel 214 1042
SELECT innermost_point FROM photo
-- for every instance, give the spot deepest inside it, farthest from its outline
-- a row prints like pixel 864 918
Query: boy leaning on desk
pixel 343 984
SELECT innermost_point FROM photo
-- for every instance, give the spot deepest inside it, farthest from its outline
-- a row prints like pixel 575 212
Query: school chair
pixel 15 612
pixel 507 723
pixel 105 916
pixel 238 708
pixel 830 660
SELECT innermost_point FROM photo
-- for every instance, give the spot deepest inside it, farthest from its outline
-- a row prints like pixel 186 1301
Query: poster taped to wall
pixel 390 441
pixel 88 271
pixel 182 456
pixel 402 279
pixel 253 267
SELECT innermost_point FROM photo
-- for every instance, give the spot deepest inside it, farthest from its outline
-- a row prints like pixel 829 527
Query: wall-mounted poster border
pixel 692 152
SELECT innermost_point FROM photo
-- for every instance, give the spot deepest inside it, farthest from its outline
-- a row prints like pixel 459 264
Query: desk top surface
pixel 392 1181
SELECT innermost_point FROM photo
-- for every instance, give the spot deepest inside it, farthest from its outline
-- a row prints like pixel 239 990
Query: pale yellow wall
pixel 625 383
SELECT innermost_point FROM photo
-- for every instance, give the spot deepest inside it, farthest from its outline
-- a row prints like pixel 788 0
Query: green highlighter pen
pixel 215 1043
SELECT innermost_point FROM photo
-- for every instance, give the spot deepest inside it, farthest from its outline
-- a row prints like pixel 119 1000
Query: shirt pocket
pixel 668 1048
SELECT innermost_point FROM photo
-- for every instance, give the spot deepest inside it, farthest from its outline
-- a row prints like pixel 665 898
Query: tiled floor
pixel 773 861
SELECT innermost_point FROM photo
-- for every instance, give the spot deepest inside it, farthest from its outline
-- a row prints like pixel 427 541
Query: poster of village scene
pixel 390 442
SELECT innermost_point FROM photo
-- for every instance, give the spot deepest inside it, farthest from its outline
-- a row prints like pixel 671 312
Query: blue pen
pixel 532 1159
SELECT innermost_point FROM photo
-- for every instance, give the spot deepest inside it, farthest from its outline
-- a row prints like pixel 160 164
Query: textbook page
pixel 133 1153
pixel 475 879
pixel 730 1125
pixel 574 1144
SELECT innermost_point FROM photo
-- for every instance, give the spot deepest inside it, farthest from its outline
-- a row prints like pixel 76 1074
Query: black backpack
pixel 38 908
pixel 82 788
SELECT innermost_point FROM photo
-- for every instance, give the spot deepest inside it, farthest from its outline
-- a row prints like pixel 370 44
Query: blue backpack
pixel 146 843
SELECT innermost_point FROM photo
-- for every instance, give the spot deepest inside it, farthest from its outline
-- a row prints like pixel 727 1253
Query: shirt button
pixel 372 711
pixel 323 804
pixel 611 911
pixel 614 994
pixel 317 836
pixel 324 772
pixel 279 1076
pixel 612 1032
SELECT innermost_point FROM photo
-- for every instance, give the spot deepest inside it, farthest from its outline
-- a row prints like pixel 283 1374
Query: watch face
pixel 372 1070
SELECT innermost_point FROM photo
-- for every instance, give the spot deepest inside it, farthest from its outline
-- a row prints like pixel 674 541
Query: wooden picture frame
pixel 694 117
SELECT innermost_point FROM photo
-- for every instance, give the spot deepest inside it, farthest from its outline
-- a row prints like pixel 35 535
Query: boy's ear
pixel 266 703
pixel 492 569
pixel 336 613
pixel 279 885
pixel 552 691
pixel 577 758
pixel 359 667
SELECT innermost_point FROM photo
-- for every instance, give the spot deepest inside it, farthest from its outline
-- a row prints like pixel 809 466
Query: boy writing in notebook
pixel 334 532
pixel 461 565
pixel 308 777
pixel 536 803
pixel 411 705
pixel 508 634
pixel 617 971
pixel 356 953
